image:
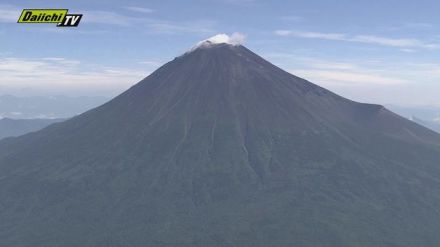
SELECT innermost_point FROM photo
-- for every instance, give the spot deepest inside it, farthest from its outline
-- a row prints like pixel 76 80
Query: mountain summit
pixel 235 39
pixel 221 148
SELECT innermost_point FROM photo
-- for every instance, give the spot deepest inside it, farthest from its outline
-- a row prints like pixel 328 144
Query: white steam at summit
pixel 222 38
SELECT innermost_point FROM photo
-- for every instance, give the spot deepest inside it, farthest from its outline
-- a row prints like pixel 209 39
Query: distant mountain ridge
pixel 16 127
pixel 46 106
pixel 219 147
pixel 427 116
pixel 435 126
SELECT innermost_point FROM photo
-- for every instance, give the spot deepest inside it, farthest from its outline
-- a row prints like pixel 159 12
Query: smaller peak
pixel 235 39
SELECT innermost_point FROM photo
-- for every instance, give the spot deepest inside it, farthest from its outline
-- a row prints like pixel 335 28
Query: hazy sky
pixel 371 51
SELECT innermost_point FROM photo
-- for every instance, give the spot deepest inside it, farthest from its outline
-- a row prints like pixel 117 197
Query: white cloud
pixel 418 25
pixel 217 39
pixel 175 27
pixel 351 78
pixel 109 18
pixel 341 73
pixel 242 2
pixel 9 13
pixel 148 24
pixel 237 39
pixel 410 25
pixel 222 38
pixel 54 59
pixel 333 65
pixel 48 74
pixel 293 18
pixel 371 39
pixel 368 39
pixel 150 63
pixel 367 80
pixel 302 34
pixel 140 9
pixel 283 32
pixel 408 50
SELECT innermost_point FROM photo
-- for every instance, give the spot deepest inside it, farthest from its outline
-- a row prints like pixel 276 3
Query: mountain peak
pixel 234 39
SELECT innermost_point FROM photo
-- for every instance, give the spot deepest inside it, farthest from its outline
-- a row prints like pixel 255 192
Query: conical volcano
pixel 221 148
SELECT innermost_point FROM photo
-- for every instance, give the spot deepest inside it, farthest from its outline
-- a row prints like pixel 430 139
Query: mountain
pixel 46 106
pixel 15 127
pixel 219 147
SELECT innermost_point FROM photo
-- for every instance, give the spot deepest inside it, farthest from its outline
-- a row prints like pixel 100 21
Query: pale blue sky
pixel 370 51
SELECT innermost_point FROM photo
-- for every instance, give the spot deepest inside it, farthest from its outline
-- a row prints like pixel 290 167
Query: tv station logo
pixel 58 16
